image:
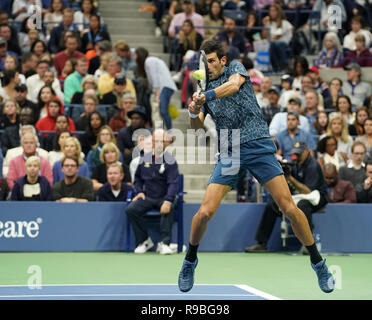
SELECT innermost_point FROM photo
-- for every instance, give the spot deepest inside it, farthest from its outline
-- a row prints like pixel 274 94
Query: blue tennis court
pixel 132 292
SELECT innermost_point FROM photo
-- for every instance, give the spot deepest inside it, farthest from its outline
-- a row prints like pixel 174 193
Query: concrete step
pixel 196 182
pixel 192 169
pixel 129 22
pixel 123 13
pixel 132 28
pixel 130 38
pixel 122 4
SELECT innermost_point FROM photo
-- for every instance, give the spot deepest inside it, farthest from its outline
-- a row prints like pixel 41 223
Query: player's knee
pixel 289 208
pixel 205 215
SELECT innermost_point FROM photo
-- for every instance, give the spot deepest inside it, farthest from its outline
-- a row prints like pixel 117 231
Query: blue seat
pixel 178 217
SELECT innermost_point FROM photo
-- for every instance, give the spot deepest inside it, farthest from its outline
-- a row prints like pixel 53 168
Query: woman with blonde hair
pixel 10 114
pixel 337 127
pixel 281 31
pixel 331 56
pixel 71 148
pixel 110 154
pixel 105 135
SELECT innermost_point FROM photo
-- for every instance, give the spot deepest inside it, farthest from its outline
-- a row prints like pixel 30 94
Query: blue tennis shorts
pixel 258 156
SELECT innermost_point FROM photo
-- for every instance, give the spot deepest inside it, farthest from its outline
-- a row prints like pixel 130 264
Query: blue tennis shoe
pixel 325 277
pixel 186 276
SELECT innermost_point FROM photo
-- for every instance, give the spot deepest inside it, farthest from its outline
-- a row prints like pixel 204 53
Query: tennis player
pixel 230 100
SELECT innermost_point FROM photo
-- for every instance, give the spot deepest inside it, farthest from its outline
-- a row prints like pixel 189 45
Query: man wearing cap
pixel 304 177
pixel 73 81
pixel 21 97
pixel 124 140
pixel 273 108
pixel 4 52
pixel 279 121
pixel 188 13
pixel 356 89
pixel 292 134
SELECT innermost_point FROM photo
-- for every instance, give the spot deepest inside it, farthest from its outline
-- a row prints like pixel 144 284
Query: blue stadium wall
pixel 97 226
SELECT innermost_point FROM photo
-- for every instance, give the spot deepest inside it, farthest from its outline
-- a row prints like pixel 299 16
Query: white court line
pixel 115 284
pixel 130 295
pixel 257 292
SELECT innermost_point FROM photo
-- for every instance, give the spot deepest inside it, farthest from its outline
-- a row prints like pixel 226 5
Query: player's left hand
pixel 165 207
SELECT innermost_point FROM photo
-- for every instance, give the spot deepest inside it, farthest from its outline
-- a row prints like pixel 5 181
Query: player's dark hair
pixel 211 46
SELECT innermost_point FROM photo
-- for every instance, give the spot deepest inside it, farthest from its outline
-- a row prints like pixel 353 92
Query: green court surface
pixel 279 274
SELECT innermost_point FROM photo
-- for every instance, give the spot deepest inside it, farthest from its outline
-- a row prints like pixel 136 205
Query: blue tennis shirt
pixel 238 111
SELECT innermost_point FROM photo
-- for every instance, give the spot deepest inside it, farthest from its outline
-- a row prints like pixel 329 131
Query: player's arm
pixel 196 115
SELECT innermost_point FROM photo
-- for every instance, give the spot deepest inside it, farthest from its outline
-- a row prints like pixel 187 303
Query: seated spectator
pixel 300 67
pixel 81 17
pixel 89 138
pixel 125 141
pixel 340 191
pixel 32 187
pixel 364 190
pixel 56 153
pixel 89 82
pixel 71 148
pixel 48 57
pixel 356 89
pixel 11 63
pixel 119 119
pixel 126 54
pixel 281 34
pixel 115 189
pixel 106 81
pixel 73 187
pixel 110 154
pixel 54 16
pixel 105 135
pixel 57 32
pixel 343 106
pixel 338 128
pixel 263 95
pixel 17 165
pixel 156 190
pixel 98 64
pixel 188 9
pixel 6 33
pixel 28 64
pixel 70 51
pixel 292 134
pixel 4 52
pixel 232 36
pixel 54 109
pixel 357 127
pixel 94 34
pixel 311 107
pixel 73 82
pixel 38 47
pixel 90 103
pixel 279 121
pixel 10 116
pixel 319 85
pixel 21 97
pixel 367 137
pixel 48 79
pixel 327 147
pixel 320 125
pixel 68 69
pixel 331 56
pixel 188 38
pixel 45 95
pixel 213 18
pixel 10 136
pixel 354 170
pixel 357 27
pixel 335 90
pixel 115 96
pixel 251 22
pixel 361 54
pixel 307 178
pixel 9 81
pixel 273 107
pixel 35 82
pixel 286 91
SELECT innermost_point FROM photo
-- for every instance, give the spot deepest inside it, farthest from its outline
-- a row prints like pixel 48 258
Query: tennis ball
pixel 199 75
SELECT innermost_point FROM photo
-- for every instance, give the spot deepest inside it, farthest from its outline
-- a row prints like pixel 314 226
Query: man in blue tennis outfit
pixel 244 142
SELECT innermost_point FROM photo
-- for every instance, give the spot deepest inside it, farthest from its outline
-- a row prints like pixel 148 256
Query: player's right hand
pixel 194 108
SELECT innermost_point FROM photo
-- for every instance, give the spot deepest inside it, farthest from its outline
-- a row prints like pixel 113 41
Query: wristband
pixel 210 95
pixel 193 115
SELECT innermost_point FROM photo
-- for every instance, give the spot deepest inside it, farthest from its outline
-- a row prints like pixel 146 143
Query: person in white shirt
pixel 160 80
pixel 357 28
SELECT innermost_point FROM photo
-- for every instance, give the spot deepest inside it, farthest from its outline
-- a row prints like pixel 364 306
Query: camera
pixel 287 167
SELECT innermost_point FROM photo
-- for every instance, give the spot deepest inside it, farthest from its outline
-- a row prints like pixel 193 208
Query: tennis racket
pixel 202 75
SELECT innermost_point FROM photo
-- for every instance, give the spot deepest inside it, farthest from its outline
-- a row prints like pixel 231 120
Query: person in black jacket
pixel 364 190
pixel 115 189
pixel 32 187
pixel 95 33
